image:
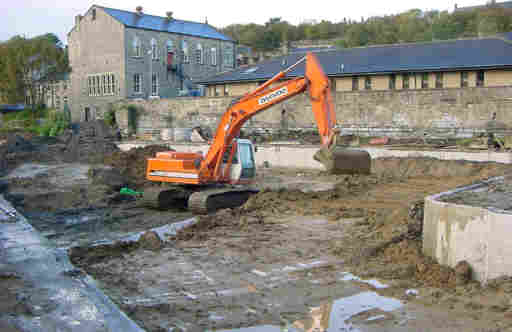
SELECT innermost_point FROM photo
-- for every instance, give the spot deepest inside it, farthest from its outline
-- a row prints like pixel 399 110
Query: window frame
pixel 355 83
pixel 424 80
pixel 155 84
pixel 154 49
pixel 137 48
pixel 213 56
pixel 137 83
pixel 480 78
pixel 199 54
pixel 439 80
pixel 392 82
pixel 406 78
pixel 464 79
pixel 368 83
pixel 184 51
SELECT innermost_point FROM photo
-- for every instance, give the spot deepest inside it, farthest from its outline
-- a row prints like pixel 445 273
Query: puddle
pixel 337 316
pixel 347 276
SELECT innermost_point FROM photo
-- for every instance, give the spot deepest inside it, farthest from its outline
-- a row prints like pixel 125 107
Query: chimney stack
pixel 139 10
pixel 169 15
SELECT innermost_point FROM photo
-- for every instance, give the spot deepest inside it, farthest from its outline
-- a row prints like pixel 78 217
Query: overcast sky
pixel 35 17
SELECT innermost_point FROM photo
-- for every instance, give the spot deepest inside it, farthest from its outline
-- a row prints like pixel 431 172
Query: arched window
pixel 184 51
pixel 136 47
pixel 199 54
pixel 154 49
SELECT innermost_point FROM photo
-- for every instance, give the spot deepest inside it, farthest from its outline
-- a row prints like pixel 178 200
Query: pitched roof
pixel 158 23
pixel 463 54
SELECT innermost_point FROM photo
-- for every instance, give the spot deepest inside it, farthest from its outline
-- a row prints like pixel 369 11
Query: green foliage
pixel 110 116
pixel 27 62
pixel 413 25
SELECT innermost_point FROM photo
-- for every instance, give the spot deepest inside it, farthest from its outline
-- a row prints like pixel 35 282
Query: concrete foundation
pixel 300 156
pixel 453 232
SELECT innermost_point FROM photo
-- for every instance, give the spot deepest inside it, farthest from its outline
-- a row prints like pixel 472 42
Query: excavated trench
pixel 281 260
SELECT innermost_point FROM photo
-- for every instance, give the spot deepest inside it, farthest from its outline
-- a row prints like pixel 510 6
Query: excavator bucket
pixel 337 160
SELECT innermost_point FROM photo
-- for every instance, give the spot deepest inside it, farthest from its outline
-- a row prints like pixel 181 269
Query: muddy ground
pixel 281 259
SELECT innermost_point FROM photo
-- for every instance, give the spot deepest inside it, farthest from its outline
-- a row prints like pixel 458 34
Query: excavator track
pixel 162 199
pixel 210 200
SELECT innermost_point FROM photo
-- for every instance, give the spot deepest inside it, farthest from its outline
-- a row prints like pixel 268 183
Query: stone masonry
pixel 440 112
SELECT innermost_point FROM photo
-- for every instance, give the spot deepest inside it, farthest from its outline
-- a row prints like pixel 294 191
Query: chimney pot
pixel 139 10
pixel 169 15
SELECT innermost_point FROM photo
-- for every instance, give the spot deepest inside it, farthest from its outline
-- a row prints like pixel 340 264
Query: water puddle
pixel 340 315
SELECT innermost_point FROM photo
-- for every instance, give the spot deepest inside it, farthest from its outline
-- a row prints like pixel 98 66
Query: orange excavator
pixel 220 178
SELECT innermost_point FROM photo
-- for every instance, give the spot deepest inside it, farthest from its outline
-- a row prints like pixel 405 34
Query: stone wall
pixel 436 112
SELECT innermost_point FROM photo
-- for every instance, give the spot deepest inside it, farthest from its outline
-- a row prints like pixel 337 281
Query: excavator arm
pixel 273 92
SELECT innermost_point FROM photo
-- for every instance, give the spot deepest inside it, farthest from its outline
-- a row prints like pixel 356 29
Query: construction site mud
pixel 291 256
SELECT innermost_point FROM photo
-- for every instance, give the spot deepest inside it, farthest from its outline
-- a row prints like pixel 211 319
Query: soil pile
pixel 90 142
pixel 132 164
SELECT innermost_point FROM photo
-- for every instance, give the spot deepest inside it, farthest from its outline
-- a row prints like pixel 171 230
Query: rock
pixel 150 240
pixel 462 272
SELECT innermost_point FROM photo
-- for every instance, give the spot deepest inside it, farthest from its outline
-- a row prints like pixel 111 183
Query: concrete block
pixel 479 235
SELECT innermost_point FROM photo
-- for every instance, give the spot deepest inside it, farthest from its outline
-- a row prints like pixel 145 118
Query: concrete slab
pixel 67 300
pixel 460 229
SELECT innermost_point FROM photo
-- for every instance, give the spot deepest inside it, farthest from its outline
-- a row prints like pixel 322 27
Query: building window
pixel 228 55
pixel 213 56
pixel 154 84
pixel 392 82
pixel 184 51
pixel 355 83
pixel 439 80
pixel 464 79
pixel 424 81
pixel 93 14
pixel 226 92
pixel 405 81
pixel 154 49
pixel 137 50
pixel 113 83
pixel 199 54
pixel 170 46
pixel 137 83
pixel 367 83
pixel 480 78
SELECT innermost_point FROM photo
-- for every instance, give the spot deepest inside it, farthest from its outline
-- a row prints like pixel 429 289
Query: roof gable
pixel 461 54
pixel 157 23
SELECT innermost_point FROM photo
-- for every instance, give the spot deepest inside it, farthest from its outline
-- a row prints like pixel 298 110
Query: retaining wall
pixel 456 112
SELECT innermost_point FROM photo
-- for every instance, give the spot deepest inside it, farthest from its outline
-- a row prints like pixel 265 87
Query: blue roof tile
pixel 157 23
pixel 437 56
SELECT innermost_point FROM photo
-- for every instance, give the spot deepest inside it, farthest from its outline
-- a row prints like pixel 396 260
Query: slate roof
pixel 158 23
pixel 463 54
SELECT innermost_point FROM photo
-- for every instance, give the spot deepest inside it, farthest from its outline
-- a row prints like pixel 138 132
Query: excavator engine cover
pixel 344 161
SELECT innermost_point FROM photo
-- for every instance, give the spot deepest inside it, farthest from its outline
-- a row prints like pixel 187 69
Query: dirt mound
pixel 90 142
pixel 132 164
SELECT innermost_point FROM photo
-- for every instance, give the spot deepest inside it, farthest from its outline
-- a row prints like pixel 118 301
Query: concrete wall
pixel 95 46
pixel 480 236
pixel 442 112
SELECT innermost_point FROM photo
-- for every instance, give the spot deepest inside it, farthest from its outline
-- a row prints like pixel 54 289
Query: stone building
pixel 464 63
pixel 116 55
pixel 54 93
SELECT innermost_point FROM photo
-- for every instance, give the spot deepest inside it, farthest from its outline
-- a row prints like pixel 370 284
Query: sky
pixel 35 17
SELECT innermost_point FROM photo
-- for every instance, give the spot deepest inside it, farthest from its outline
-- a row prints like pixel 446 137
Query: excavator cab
pixel 242 166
